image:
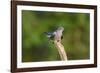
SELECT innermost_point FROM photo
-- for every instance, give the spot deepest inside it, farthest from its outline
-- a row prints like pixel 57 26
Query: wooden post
pixel 61 50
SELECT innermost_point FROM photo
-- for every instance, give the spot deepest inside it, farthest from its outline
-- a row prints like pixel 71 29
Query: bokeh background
pixel 37 47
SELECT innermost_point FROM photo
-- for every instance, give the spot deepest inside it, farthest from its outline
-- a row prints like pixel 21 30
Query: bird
pixel 57 35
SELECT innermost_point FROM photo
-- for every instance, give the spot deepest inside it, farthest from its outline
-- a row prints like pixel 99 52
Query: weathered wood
pixel 61 50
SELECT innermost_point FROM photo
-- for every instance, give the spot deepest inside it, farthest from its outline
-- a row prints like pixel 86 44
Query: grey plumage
pixel 56 35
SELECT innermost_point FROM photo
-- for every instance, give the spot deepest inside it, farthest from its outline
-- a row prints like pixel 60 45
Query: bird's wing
pixel 50 35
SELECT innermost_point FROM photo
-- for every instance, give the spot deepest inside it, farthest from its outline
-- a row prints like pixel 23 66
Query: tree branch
pixel 61 50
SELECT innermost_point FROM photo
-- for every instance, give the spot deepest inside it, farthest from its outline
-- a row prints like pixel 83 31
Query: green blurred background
pixel 37 47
